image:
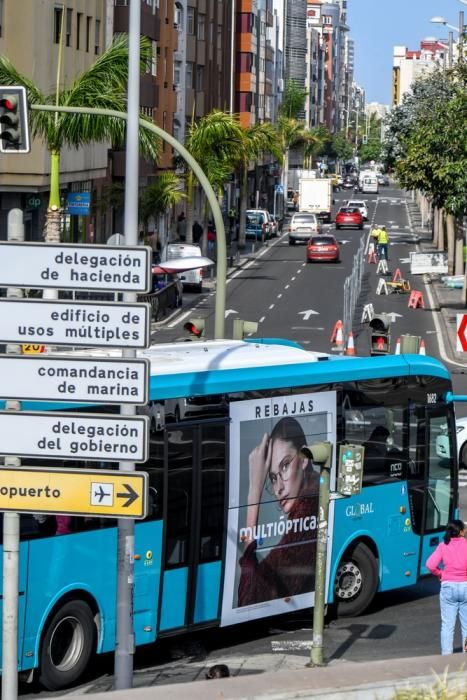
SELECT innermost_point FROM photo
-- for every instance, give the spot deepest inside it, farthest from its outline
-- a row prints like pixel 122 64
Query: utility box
pixel 350 469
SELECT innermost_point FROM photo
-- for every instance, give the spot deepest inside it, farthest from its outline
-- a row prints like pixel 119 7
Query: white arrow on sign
pixel 306 314
pixel 344 242
pixel 230 311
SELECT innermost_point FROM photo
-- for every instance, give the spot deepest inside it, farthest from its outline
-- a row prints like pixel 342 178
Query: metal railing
pixel 353 287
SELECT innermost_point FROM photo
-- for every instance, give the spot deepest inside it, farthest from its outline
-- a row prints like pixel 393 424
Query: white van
pixel 185 250
pixel 370 184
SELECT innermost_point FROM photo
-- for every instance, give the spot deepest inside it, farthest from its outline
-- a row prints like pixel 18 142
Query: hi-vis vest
pixel 383 236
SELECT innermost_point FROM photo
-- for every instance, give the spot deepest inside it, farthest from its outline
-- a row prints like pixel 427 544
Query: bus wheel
pixel 68 644
pixel 356 581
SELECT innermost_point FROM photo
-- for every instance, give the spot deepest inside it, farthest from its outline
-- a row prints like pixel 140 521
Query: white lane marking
pixel 279 296
pixel 292 279
pixel 287 286
pixel 298 272
pixel 272 306
pixel 230 311
pixel 307 328
pixel 308 313
pixel 180 319
pixel 291 645
pixel 261 319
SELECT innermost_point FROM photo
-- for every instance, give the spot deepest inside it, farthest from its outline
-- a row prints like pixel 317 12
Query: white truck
pixel 315 195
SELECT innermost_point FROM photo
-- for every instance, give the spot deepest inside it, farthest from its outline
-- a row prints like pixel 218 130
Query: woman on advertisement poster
pixel 277 465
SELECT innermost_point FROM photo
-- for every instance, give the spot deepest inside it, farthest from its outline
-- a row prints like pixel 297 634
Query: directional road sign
pixel 461 345
pixel 77 379
pixel 66 266
pixel 74 436
pixel 81 324
pixel 90 492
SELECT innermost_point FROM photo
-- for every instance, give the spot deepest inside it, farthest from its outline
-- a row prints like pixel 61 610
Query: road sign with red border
pixel 461 345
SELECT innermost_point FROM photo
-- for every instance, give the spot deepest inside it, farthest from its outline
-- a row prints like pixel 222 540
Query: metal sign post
pixel 125 644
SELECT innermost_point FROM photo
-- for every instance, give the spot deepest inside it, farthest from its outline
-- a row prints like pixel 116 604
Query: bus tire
pixel 356 581
pixel 463 456
pixel 68 644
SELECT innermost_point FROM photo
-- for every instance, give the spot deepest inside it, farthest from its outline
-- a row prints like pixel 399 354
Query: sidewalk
pixel 341 680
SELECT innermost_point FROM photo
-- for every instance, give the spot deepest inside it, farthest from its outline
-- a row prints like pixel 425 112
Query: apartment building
pixel 30 37
pixel 409 65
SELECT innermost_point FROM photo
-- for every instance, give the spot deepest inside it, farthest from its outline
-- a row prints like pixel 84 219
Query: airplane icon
pixel 101 494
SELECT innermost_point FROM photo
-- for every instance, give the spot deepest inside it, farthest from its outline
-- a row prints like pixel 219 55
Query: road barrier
pixel 353 286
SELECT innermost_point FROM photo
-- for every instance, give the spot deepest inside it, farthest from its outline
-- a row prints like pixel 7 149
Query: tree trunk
pixel 189 208
pixel 243 207
pixel 441 245
pixel 459 254
pixel 285 175
pixel 54 212
pixel 450 230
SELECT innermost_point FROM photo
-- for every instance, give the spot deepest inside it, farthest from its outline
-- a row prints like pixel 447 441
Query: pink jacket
pixel 453 556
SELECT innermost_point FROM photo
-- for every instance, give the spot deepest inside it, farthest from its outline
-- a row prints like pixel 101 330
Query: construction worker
pixel 374 233
pixel 383 242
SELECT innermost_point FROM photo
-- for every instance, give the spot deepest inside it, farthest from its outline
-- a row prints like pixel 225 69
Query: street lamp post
pixel 459 29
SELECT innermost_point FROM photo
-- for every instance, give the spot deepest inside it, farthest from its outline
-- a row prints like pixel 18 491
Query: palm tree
pixel 291 132
pixel 215 142
pixel 102 85
pixel 160 196
pixel 257 139
pixel 315 140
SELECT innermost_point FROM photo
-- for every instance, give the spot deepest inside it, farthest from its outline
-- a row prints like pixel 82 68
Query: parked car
pixel 322 248
pixel 302 226
pixel 360 204
pixel 383 180
pixel 273 225
pixel 257 224
pixel 442 443
pixel 185 250
pixel 349 217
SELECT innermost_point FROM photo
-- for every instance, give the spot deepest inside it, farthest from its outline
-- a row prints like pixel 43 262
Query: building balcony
pixel 150 23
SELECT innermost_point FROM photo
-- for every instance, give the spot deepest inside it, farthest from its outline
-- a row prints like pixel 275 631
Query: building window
pixel 166 55
pixel 97 38
pixel 178 18
pixel 88 31
pixel 58 13
pixel 201 27
pixel 211 32
pixel 79 17
pixel 177 72
pixel 164 126
pixel 69 24
pixel 189 75
pixel 190 20
pixel 121 3
pixel 199 78
pixel 154 58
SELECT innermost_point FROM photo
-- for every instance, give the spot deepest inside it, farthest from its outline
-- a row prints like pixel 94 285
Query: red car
pixel 349 217
pixel 322 249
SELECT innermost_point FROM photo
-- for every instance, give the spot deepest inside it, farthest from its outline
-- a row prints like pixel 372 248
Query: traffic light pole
pixel 221 265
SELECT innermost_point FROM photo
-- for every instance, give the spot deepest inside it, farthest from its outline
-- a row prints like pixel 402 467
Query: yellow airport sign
pixel 90 492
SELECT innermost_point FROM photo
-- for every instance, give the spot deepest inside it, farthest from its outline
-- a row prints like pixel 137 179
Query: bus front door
pixel 195 459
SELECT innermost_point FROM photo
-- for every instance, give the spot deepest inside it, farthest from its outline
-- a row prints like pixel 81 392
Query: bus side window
pixel 213 460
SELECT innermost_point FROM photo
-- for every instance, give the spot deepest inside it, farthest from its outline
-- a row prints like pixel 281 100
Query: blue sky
pixel 378 25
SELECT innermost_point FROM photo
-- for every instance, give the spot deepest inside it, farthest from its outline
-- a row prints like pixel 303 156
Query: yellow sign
pixel 32 349
pixel 91 492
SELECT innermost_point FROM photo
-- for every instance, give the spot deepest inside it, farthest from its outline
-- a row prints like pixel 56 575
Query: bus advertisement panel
pixel 273 504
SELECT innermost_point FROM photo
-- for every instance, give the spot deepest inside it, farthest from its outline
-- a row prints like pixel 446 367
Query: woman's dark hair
pixel 289 430
pixel 453 529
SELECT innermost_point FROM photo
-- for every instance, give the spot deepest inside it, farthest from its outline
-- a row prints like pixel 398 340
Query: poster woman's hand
pixel 259 463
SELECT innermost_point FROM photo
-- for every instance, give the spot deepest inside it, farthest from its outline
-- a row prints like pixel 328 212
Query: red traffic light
pixel 191 328
pixel 9 103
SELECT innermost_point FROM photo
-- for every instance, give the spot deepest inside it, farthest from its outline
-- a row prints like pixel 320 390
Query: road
pixel 293 299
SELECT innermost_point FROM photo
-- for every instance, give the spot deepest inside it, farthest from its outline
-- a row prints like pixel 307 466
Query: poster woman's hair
pixel 289 430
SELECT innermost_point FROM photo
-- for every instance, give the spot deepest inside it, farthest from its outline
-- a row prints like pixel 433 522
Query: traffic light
pixel 380 334
pixel 243 328
pixel 195 327
pixel 14 125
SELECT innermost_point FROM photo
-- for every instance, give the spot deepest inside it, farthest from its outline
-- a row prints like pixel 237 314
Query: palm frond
pixel 160 195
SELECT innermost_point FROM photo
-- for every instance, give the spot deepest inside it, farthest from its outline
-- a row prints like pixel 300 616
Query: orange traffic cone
pixel 422 349
pixel 397 351
pixel 337 325
pixel 350 350
pixel 397 275
pixel 339 342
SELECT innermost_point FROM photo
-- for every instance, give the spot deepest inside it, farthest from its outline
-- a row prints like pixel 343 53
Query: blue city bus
pixel 231 530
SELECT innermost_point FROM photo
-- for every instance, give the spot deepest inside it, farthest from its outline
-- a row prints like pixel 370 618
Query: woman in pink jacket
pixel 452 555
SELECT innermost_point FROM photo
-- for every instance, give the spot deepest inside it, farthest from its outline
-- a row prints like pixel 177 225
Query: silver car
pixel 302 226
